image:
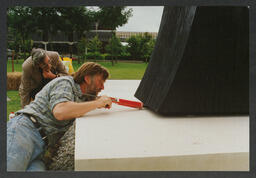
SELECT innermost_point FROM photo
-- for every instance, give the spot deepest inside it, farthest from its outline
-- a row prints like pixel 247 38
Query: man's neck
pixel 83 87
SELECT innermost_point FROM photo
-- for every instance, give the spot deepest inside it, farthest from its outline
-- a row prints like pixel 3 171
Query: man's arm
pixel 60 68
pixel 25 87
pixel 70 110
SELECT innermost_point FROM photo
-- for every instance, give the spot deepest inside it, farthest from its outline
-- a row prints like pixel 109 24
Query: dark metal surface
pixel 200 64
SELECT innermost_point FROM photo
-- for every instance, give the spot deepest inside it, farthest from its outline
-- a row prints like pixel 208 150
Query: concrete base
pixel 124 138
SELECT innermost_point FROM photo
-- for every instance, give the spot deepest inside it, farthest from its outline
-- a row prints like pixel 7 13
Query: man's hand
pixel 104 102
pixel 48 74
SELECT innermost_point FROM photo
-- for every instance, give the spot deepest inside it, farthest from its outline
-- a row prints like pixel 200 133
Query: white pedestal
pixel 124 138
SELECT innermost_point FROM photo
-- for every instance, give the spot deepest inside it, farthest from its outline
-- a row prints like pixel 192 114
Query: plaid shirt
pixel 59 90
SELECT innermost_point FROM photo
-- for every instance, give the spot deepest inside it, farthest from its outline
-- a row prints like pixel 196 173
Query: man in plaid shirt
pixel 53 111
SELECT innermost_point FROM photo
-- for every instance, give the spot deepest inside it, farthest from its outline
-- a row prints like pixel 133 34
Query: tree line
pixel 138 47
pixel 23 21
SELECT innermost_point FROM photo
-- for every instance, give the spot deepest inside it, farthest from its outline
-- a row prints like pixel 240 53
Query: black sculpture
pixel 200 63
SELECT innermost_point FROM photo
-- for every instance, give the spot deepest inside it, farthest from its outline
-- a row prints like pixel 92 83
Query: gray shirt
pixel 59 90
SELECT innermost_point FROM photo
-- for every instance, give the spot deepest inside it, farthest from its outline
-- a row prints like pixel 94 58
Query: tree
pixel 72 19
pixel 28 44
pixel 20 25
pixel 110 18
pixel 46 19
pixel 148 44
pixel 24 21
pixel 150 48
pixel 114 48
pixel 140 46
pixel 95 45
pixel 134 47
pixel 82 49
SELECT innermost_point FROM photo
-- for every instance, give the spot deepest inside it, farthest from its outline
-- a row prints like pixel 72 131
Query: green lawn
pixel 17 65
pixel 14 104
pixel 121 70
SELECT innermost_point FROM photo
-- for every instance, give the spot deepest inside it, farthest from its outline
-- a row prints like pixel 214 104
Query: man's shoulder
pixel 28 66
pixel 60 84
pixel 51 52
pixel 64 79
pixel 52 55
pixel 28 63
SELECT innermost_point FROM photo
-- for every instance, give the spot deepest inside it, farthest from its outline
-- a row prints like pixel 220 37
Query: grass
pixel 125 70
pixel 121 70
pixel 14 104
pixel 17 65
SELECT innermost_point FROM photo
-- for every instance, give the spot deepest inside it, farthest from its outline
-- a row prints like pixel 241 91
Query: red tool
pixel 123 102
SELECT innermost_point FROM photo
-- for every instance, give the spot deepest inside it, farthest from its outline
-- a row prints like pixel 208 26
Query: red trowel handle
pixel 123 102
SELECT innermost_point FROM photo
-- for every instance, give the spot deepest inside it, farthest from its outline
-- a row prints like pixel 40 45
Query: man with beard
pixel 52 112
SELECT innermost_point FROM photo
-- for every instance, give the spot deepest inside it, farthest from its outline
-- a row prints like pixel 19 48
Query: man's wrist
pixel 98 103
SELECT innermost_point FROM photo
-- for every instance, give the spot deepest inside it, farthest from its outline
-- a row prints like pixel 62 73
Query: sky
pixel 144 19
